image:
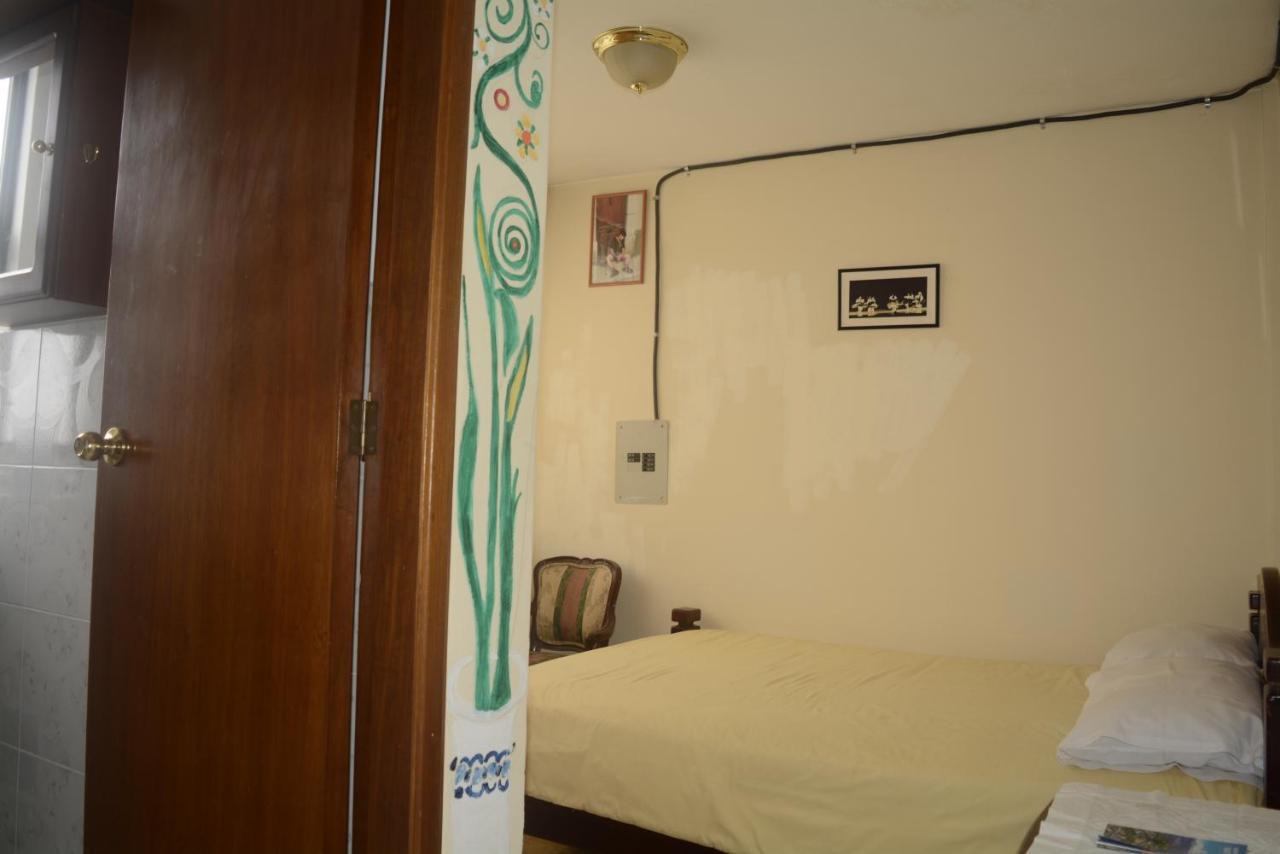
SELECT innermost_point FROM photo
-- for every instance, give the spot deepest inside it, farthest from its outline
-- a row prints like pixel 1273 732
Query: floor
pixel 533 845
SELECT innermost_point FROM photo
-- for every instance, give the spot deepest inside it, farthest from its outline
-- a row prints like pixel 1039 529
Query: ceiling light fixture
pixel 640 58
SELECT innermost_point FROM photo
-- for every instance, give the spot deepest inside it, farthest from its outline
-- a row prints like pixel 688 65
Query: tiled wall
pixel 50 389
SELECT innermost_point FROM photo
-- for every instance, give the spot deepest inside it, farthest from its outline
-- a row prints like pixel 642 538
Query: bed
pixel 750 743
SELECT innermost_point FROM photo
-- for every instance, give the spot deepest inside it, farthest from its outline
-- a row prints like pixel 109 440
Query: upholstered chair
pixel 573 605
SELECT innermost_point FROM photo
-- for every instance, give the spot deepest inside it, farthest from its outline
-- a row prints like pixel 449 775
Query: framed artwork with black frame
pixel 888 297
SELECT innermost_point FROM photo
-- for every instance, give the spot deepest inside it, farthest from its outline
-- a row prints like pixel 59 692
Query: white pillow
pixel 1205 716
pixel 1192 640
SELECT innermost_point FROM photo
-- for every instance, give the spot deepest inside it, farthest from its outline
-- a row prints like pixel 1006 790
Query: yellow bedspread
pixel 751 743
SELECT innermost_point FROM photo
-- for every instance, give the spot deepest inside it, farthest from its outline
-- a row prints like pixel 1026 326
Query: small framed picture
pixel 617 238
pixel 888 297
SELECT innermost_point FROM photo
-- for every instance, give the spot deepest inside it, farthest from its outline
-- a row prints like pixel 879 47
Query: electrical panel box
pixel 640 470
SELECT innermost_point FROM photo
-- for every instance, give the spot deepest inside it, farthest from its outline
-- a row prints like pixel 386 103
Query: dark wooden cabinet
pixel 61 97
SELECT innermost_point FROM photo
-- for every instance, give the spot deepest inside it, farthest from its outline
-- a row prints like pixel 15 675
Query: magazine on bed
pixel 1118 837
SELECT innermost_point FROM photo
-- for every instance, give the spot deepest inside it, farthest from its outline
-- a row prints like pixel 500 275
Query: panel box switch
pixel 640 471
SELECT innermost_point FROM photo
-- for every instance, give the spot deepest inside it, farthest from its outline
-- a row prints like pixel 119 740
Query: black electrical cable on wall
pixel 1044 121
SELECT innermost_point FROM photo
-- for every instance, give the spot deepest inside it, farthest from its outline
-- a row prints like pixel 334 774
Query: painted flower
pixel 543 7
pixel 481 48
pixel 527 138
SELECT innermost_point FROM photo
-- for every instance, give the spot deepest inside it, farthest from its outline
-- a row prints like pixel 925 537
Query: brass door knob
pixel 112 446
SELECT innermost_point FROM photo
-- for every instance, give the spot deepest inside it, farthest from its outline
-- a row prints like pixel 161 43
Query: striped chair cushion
pixel 572 603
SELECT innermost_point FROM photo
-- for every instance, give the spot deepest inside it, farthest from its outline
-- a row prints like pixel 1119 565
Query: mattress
pixel 751 743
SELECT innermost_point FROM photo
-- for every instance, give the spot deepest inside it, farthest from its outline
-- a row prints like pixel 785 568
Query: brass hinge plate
pixel 362 426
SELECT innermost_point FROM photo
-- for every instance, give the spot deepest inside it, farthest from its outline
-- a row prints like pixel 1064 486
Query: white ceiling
pixel 763 76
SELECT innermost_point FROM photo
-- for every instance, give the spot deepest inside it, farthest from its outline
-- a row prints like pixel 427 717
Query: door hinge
pixel 362 438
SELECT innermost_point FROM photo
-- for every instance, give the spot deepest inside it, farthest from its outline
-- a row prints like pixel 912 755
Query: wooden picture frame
pixel 619 226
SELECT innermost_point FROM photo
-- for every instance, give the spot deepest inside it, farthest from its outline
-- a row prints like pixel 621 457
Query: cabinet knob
pixel 42 147
pixel 112 446
pixel 91 152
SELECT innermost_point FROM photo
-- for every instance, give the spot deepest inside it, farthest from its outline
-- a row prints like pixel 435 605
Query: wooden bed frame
pixel 1264 622
pixel 585 830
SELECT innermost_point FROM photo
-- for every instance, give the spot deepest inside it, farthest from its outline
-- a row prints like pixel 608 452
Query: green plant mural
pixel 506 236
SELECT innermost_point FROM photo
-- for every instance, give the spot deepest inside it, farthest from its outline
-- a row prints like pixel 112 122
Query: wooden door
pixel 224 565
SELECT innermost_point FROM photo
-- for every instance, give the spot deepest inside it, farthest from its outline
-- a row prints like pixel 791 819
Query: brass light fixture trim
pixel 618 35
pixel 651 35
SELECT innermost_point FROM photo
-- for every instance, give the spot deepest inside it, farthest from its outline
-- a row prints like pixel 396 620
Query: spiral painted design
pixel 513 245
pixel 498 17
pixel 481 774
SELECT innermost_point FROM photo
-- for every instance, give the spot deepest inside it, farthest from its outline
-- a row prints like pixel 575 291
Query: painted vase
pixel 479 779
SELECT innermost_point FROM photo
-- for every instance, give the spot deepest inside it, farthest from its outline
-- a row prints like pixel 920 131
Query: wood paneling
pixel 409 483
pixel 219 683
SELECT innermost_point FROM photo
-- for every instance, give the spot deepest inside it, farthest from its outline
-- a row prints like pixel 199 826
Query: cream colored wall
pixel 1084 446
pixel 1271 294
